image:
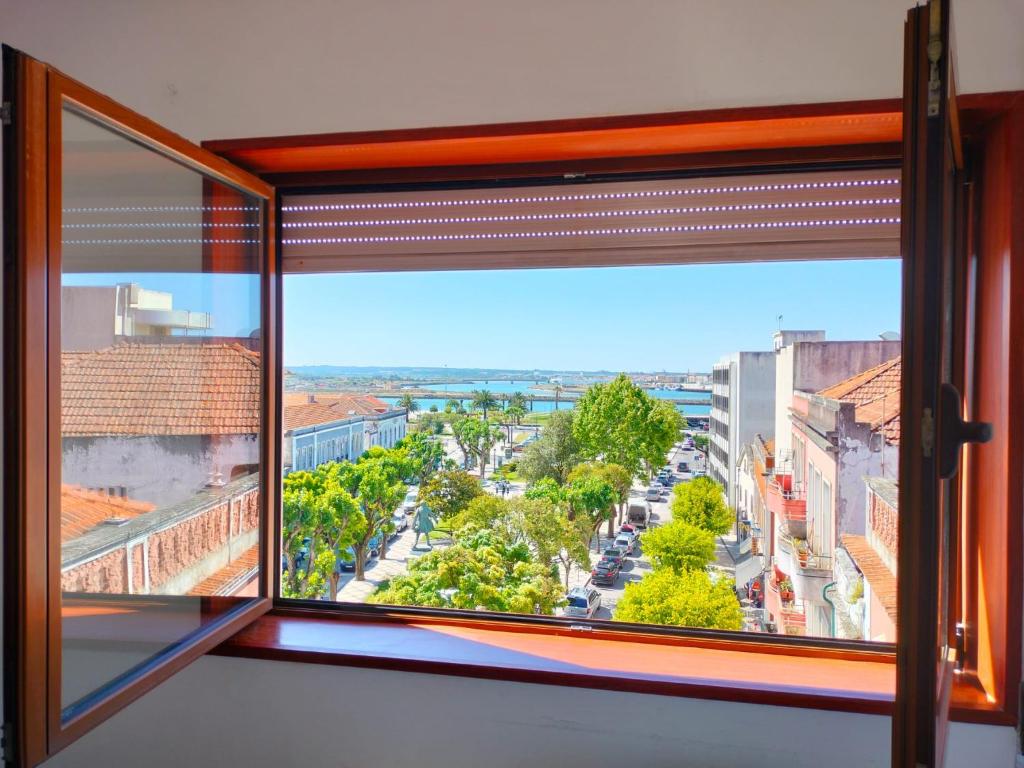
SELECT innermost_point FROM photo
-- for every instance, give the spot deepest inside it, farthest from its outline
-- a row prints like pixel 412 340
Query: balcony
pixel 788 505
pixel 809 571
pixel 781 601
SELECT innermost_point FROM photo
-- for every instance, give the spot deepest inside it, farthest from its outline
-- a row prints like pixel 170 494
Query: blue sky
pixel 673 318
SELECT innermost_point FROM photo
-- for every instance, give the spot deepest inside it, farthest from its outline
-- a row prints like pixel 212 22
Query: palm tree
pixel 517 398
pixel 514 413
pixel 409 403
pixel 483 400
pixel 558 391
pixel 454 406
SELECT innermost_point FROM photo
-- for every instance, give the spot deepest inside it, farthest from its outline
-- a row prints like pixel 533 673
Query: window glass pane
pixel 656 433
pixel 161 400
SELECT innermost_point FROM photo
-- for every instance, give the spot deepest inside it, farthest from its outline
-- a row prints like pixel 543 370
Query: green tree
pixel 449 491
pixel 484 401
pixel 546 489
pixel 517 398
pixel 701 442
pixel 679 546
pixel 687 599
pixel 378 481
pixel 454 406
pixel 621 424
pixel 554 453
pixel 409 403
pixel 616 476
pixel 700 502
pixel 430 423
pixel 320 519
pixel 590 498
pixel 424 454
pixel 482 569
pixel 476 437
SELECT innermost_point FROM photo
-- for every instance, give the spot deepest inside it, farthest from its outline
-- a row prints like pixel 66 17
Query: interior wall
pixel 262 67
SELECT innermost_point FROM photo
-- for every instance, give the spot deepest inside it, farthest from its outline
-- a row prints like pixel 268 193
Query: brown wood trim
pixel 498 654
pixel 270 446
pixel 153 134
pixel 25 286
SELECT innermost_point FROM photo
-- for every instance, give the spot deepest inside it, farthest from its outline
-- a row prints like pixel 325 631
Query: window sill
pixel 557 656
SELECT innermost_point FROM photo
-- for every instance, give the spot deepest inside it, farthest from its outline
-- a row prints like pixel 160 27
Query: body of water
pixel 544 406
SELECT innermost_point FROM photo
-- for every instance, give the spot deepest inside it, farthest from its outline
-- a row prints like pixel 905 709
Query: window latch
pixel 5 113
pixel 961 646
pixel 955 432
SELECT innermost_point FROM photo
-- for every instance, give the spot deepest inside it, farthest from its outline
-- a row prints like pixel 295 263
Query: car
pixel 631 529
pixel 653 494
pixel 347 560
pixel 682 466
pixel 399 521
pixel 605 573
pixel 411 496
pixel 626 542
pixel 614 554
pixel 669 481
pixel 582 602
pixel 638 513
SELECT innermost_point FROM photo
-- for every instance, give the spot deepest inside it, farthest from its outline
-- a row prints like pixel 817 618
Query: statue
pixel 423 524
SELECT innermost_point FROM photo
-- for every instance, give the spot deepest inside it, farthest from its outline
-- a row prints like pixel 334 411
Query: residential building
pixel 742 405
pixel 337 427
pixel 109 313
pixel 839 435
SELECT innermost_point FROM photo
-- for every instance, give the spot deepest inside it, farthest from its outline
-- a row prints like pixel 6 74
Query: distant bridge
pixel 503 397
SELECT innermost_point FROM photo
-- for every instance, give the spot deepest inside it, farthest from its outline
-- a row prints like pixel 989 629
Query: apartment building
pixel 742 405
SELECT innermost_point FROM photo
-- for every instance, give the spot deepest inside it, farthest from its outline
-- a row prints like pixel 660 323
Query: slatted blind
pixel 843 214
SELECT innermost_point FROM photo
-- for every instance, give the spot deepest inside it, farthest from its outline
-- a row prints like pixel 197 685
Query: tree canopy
pixel 480 570
pixel 687 599
pixel 621 424
pixel 449 491
pixel 700 502
pixel 554 453
pixel 475 437
pixel 679 546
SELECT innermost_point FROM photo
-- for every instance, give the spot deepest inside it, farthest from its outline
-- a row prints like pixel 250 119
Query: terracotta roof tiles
pixel 81 510
pixel 222 581
pixel 876 395
pixel 299 412
pixel 161 389
pixel 876 572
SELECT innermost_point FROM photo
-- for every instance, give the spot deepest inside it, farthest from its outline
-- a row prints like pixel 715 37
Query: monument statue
pixel 423 524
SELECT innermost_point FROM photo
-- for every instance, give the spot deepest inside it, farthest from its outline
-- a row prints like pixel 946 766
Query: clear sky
pixel 674 318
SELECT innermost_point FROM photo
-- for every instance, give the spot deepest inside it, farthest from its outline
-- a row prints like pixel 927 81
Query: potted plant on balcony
pixel 803 552
pixel 786 590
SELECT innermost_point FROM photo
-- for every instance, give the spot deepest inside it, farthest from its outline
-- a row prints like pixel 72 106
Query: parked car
pixel 638 513
pixel 582 602
pixel 626 542
pixel 409 503
pixel 615 554
pixel 631 529
pixel 347 559
pixel 653 494
pixel 400 521
pixel 682 466
pixel 605 573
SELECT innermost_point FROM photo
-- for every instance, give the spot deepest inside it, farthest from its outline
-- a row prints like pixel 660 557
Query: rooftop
pixel 887 490
pixel 81 510
pixel 232 576
pixel 161 389
pixel 876 395
pixel 876 572
pixel 305 410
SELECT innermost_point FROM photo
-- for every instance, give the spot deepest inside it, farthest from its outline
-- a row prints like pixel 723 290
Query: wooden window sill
pixel 861 683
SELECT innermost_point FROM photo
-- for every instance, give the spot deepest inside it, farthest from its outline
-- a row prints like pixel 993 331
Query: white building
pixel 742 405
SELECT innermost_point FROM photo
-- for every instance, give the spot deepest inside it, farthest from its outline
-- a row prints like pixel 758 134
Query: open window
pixel 139 404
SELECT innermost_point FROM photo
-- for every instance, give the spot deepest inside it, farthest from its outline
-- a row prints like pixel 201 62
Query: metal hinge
pixel 927 433
pixel 580 628
pixel 8 742
pixel 5 113
pixel 570 176
pixel 961 646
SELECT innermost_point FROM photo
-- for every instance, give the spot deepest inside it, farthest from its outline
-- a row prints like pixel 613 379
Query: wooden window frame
pixel 840 134
pixel 32 604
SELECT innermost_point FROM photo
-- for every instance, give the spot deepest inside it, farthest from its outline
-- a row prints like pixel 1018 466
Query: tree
pixel 701 442
pixel 699 502
pixel 430 423
pixel 679 546
pixel 484 401
pixel 554 453
pixel 380 491
pixel 616 476
pixel 687 599
pixel 519 399
pixel 454 406
pixel 482 569
pixel 515 414
pixel 621 424
pixel 449 491
pixel 476 437
pixel 590 498
pixel 320 519
pixel 424 454
pixel 409 403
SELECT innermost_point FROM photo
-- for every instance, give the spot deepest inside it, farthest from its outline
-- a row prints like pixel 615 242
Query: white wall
pixel 261 67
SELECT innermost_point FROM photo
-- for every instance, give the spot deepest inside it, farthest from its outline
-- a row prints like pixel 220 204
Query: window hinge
pixel 961 646
pixel 927 433
pixel 5 113
pixel 934 55
pixel 570 176
pixel 580 628
pixel 8 742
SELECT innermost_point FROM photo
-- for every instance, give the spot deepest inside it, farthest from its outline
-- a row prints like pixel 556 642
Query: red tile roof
pixel 299 412
pixel 81 510
pixel 161 389
pixel 876 572
pixel 226 577
pixel 876 393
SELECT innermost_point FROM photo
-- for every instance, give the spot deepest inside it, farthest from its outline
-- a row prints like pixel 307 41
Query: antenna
pixel 780 322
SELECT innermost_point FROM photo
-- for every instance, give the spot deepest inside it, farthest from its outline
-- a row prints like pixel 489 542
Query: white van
pixel 638 513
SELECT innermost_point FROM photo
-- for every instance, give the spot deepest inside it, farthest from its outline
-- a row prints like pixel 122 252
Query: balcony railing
pixel 787 504
pixel 804 559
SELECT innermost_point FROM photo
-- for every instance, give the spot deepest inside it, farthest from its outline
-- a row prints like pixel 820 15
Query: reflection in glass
pixel 161 403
